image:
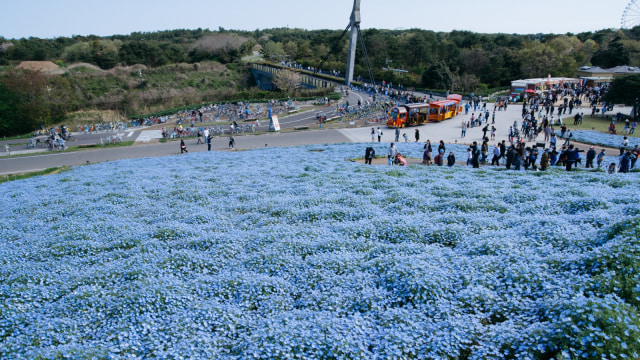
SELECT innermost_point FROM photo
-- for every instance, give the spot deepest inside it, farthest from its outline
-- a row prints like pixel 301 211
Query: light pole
pixel 141 86
pixel 48 119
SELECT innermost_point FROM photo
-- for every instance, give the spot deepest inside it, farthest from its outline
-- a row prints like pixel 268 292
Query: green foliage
pixel 142 52
pixel 26 101
pixel 9 104
pixel 437 76
pixel 272 50
pixel 13 177
pixel 624 90
pixel 495 59
pixel 613 55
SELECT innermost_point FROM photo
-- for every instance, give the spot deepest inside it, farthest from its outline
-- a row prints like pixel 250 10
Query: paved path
pixel 449 131
pixel 44 160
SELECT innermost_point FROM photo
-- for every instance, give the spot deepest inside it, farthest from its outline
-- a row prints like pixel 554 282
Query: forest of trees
pixel 432 59
pixel 458 60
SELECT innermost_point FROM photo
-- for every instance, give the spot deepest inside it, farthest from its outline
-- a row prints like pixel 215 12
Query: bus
pixel 408 115
pixel 445 109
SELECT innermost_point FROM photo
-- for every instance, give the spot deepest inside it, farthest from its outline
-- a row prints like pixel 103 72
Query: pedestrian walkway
pixel 13 152
pixel 450 130
pixel 148 135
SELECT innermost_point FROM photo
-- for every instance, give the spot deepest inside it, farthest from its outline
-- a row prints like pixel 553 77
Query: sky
pixel 65 18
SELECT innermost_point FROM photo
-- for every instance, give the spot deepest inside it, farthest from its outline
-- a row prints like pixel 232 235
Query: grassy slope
pixel 166 86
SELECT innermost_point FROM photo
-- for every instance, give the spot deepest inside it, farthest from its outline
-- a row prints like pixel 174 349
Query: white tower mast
pixel 353 41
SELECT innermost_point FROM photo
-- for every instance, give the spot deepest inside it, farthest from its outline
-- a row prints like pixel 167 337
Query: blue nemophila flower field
pixel 296 253
pixel 602 139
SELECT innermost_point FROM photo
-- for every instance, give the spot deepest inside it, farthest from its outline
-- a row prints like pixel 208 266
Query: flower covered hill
pixel 294 252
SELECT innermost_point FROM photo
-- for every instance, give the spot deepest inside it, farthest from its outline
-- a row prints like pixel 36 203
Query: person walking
pixel 484 151
pixel 427 145
pixel 600 158
pixel 373 134
pixel 183 147
pixel 547 133
pixel 544 160
pixel 475 160
pixel 625 162
pixel 417 135
pixel 553 140
pixel 511 155
pixel 571 157
pixel 634 155
pixel 567 142
pixel 232 142
pixel 379 134
pixel 199 135
pixel 533 157
pixel 426 156
pixel 591 154
pixel 369 154
pixel 391 154
pixel 496 155
pixel 208 142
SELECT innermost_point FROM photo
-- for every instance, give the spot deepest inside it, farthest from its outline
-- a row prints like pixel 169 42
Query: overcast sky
pixel 50 19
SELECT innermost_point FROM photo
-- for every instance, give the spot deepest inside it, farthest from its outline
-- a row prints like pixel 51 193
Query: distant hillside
pixel 460 59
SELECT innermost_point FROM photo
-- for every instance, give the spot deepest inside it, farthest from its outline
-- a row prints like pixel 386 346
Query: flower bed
pixel 294 252
pixel 602 139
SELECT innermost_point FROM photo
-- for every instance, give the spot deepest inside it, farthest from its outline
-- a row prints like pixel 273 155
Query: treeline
pixel 183 67
pixel 150 49
pixel 459 59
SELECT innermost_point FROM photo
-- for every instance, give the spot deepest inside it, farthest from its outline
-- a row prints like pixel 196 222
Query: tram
pixel 420 113
pixel 445 109
pixel 408 115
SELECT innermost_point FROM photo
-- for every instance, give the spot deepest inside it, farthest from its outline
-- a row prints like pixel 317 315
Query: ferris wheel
pixel 631 15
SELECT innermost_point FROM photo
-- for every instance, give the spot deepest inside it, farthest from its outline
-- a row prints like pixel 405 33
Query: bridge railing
pixel 307 77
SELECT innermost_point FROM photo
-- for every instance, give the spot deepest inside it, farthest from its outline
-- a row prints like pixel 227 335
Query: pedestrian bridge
pixel 264 73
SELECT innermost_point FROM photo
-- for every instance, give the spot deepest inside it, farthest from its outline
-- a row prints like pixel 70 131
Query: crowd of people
pixel 537 118
pixel 517 156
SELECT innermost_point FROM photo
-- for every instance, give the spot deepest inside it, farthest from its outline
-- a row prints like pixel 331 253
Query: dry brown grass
pixel 46 67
